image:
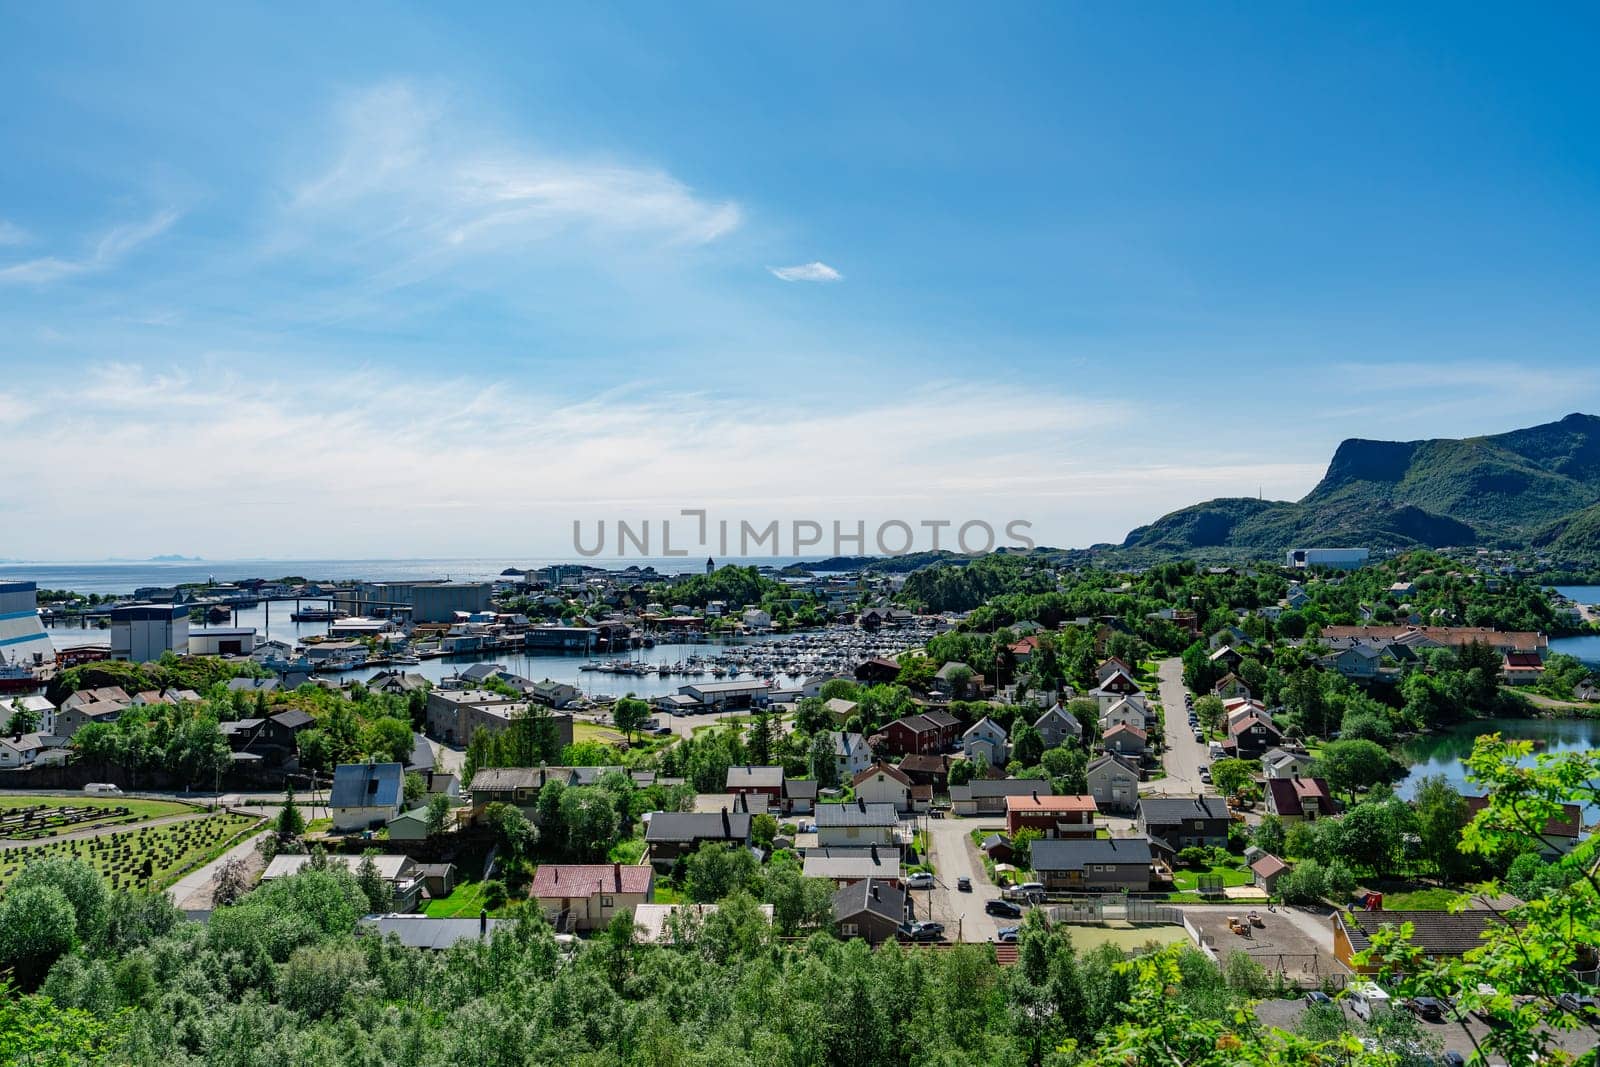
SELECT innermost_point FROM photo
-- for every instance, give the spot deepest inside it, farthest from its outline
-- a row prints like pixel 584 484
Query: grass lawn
pixel 629 850
pixel 1420 900
pixel 1086 937
pixel 588 731
pixel 119 857
pixel 666 894
pixel 464 902
pixel 1187 879
pixel 31 817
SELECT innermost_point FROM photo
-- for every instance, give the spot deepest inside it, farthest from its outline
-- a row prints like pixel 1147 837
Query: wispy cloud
pixel 815 271
pixel 412 174
pixel 238 486
pixel 12 234
pixel 108 251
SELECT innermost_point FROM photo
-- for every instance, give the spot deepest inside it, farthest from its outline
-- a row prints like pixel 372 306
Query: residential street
pixel 953 858
pixel 1184 756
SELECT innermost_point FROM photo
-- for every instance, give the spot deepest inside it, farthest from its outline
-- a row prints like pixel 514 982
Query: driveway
pixel 954 856
pixel 1184 755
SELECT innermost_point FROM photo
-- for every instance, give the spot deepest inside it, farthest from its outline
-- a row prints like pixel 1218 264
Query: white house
pixel 38 704
pixel 883 784
pixel 986 738
pixel 757 620
pixel 366 795
pixel 851 754
pixel 1286 763
pixel 1123 712
pixel 20 751
pixel 857 825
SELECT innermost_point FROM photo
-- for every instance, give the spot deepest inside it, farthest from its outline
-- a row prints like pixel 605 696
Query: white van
pixel 1367 1001
pixel 1216 750
pixel 103 789
pixel 1026 891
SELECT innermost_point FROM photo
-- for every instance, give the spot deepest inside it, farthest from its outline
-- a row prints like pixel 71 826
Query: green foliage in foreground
pixel 281 978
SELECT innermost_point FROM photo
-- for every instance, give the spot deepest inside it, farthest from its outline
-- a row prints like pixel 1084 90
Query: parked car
pixel 1453 1058
pixel 920 880
pixel 1199 737
pixel 1003 908
pixel 921 931
pixel 1317 999
pixel 964 885
pixel 1579 1004
pixel 1007 934
pixel 1429 1008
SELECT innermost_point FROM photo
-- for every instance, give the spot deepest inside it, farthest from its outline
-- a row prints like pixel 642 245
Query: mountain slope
pixel 1504 488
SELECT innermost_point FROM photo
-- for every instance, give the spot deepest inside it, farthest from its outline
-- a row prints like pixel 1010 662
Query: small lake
pixel 1442 753
pixel 1585 647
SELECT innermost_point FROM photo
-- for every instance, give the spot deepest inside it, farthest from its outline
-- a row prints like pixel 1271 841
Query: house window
pixel 1198 825
pixel 606 902
pixel 847 929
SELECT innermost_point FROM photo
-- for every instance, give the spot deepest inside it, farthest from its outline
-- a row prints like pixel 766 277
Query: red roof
pixel 1568 824
pixel 587 879
pixel 1123 727
pixel 1070 802
pixel 893 772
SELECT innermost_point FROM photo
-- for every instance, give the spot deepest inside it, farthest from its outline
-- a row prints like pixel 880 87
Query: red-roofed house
pixel 1125 740
pixel 1054 816
pixel 587 896
pixel 1522 668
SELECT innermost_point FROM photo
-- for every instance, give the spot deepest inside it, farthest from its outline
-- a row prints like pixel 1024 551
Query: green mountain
pixel 1535 486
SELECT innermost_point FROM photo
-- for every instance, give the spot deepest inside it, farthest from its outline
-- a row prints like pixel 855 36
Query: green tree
pixel 290 823
pixel 1209 712
pixel 1232 775
pixel 590 823
pixel 824 767
pixel 388 739
pixel 630 715
pixel 715 870
pixel 961 771
pixel 1027 745
pixel 1441 813
pixel 438 815
pixel 376 888
pixel 760 740
pixel 1353 766
pixel 79 883
pixel 37 925
pixel 23 720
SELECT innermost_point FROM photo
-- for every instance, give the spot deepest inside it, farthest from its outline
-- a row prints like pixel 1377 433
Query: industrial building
pixel 1347 559
pixel 222 641
pixel 22 637
pixel 431 601
pixel 146 632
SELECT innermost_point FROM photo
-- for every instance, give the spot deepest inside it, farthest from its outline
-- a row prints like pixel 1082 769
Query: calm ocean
pixel 124 578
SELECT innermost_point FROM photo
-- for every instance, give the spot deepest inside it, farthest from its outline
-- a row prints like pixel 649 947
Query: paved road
pixel 1184 755
pixel 953 858
pixel 192 892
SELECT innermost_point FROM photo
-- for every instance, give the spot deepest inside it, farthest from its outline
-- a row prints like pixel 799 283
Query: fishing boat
pixel 16 678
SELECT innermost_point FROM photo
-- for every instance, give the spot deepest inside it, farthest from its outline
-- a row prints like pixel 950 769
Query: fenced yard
pixel 29 818
pixel 149 857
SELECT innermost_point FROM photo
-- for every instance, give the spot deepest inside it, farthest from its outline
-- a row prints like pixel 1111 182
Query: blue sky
pixel 449 280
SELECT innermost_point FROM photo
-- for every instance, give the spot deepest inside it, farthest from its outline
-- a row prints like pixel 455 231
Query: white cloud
pixel 475 468
pixel 108 251
pixel 12 234
pixel 815 271
pixel 412 174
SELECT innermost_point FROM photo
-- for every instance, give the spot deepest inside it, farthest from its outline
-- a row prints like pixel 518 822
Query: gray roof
pixel 292 719
pixel 993 788
pixel 506 779
pixel 800 788
pixel 746 777
pixel 1067 853
pixel 852 863
pixel 1169 811
pixel 1107 759
pixel 682 826
pixel 419 931
pixel 367 785
pixel 857 814
pixel 858 897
